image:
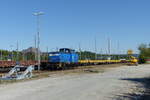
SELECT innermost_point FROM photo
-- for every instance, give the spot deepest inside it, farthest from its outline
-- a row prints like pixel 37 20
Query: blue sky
pixel 66 23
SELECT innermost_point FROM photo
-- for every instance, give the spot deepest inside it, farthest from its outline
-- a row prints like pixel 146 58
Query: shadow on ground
pixel 143 95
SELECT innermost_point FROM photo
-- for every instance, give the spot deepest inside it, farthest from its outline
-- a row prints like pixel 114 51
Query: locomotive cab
pixel 65 55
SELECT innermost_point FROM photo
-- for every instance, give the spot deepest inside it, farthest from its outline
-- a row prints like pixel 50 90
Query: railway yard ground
pixel 99 82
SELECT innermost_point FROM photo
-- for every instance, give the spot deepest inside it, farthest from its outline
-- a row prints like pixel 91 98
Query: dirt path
pixel 96 86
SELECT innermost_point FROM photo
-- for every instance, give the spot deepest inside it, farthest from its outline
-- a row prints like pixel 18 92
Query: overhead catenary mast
pixel 118 47
pixel 17 52
pixel 47 53
pixel 109 46
pixel 11 51
pixel 101 52
pixel 95 49
pixel 35 41
pixel 1 54
pixel 109 49
pixel 80 57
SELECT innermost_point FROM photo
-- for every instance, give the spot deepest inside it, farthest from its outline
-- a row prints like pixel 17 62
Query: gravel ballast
pixel 110 85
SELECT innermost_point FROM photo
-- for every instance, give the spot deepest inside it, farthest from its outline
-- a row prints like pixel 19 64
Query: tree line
pixel 20 56
pixel 83 55
pixel 88 55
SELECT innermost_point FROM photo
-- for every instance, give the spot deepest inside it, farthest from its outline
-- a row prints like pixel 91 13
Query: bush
pixel 144 53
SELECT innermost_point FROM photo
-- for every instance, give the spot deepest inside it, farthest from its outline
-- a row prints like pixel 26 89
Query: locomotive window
pixel 62 50
pixel 66 50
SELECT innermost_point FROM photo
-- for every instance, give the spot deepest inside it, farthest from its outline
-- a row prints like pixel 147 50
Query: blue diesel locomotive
pixel 65 57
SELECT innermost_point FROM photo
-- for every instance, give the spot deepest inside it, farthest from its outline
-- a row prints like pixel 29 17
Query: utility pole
pixel 37 14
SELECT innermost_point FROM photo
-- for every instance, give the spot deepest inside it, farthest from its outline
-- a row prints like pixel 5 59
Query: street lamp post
pixel 37 14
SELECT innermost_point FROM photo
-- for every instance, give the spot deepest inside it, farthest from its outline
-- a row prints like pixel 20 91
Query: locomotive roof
pixel 66 48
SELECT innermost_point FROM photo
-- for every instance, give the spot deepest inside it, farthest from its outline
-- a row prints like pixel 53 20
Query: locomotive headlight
pixel 50 54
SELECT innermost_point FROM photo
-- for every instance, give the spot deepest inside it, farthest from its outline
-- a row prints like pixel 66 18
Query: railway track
pixel 5 66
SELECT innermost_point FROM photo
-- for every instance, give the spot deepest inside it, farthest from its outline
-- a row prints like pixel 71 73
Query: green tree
pixel 144 52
